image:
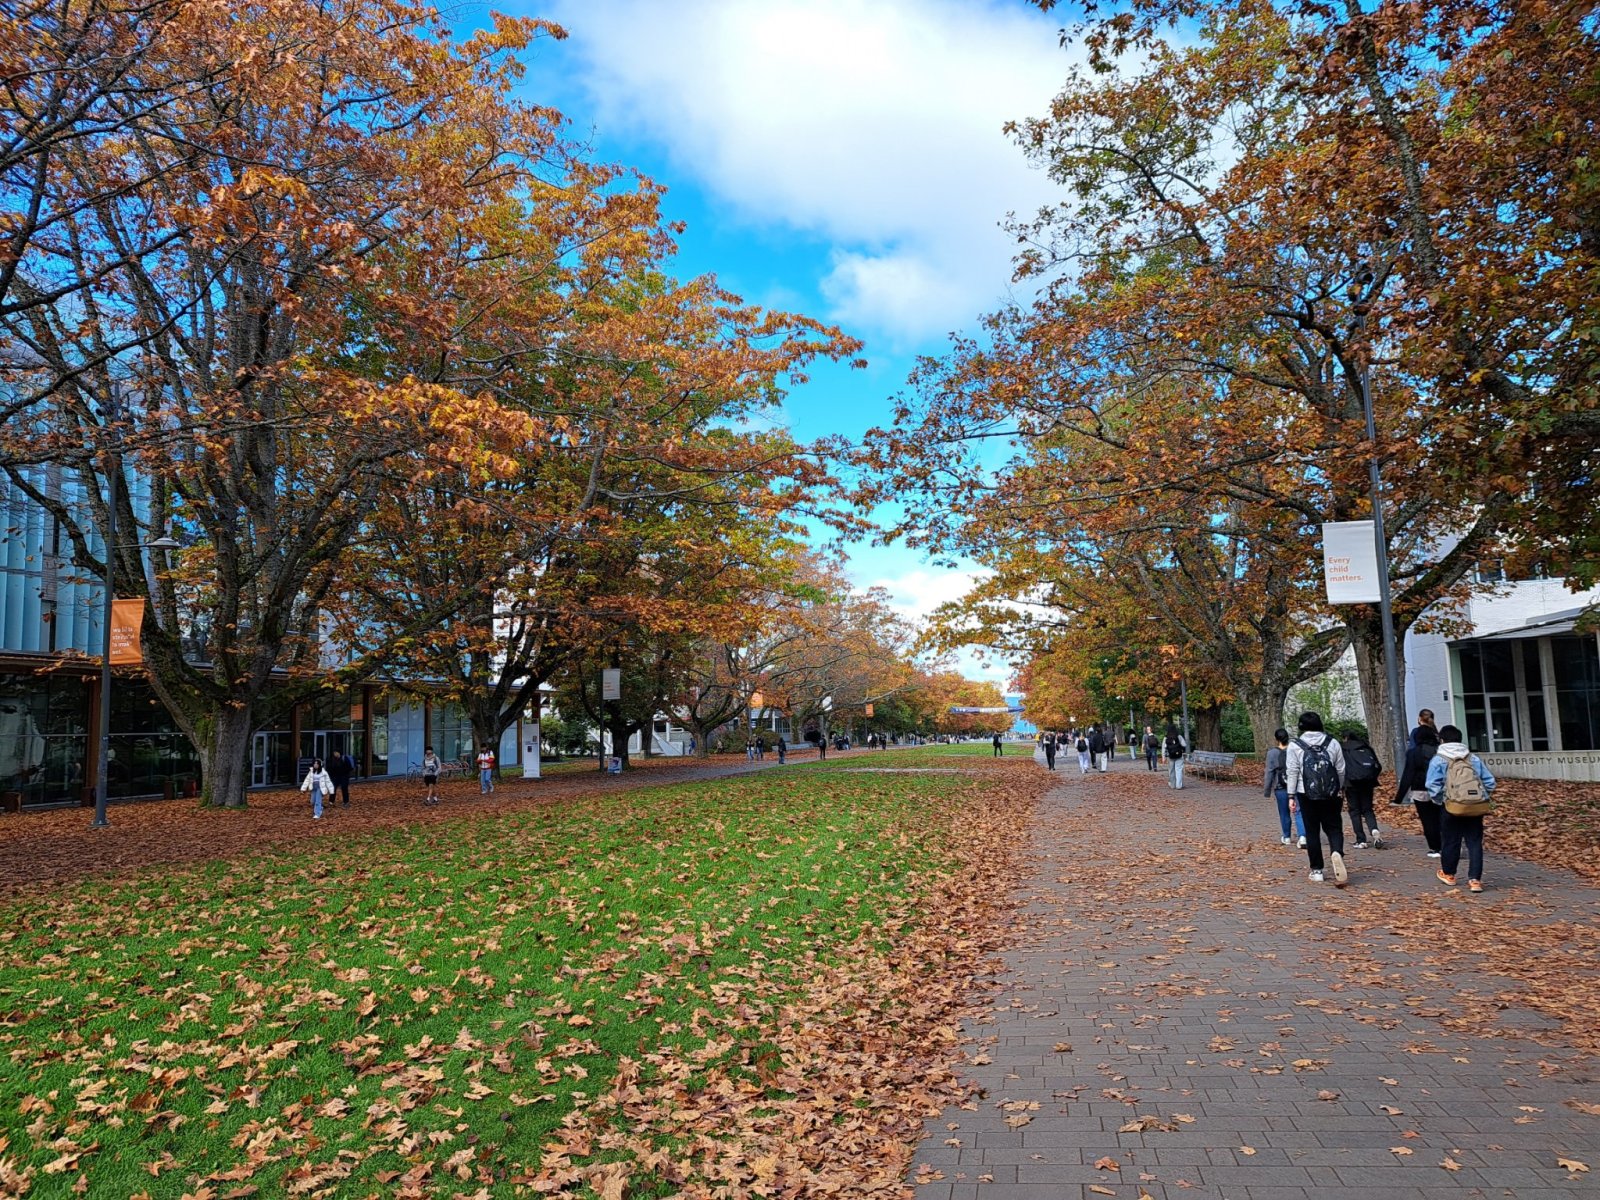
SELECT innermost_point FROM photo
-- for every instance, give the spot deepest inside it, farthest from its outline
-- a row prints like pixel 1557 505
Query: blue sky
pixel 840 158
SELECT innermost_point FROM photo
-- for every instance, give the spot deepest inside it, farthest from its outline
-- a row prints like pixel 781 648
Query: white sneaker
pixel 1361 845
pixel 1285 841
pixel 1302 843
pixel 1377 839
pixel 1433 854
pixel 1315 877
pixel 1341 876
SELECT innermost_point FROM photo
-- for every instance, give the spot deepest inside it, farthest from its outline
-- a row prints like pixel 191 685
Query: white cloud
pixel 875 124
pixel 914 595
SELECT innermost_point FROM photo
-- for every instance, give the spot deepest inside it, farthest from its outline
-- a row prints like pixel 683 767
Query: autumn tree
pixel 226 380
pixel 1260 216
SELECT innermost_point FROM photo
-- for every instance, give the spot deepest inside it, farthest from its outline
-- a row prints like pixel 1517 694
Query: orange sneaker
pixel 1475 885
pixel 1449 880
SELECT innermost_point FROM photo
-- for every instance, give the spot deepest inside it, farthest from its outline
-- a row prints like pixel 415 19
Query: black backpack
pixel 1174 748
pixel 1152 742
pixel 1319 779
pixel 1361 764
pixel 1083 746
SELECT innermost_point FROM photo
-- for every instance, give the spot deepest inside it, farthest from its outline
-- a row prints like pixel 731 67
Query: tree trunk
pixel 1265 707
pixel 1207 727
pixel 1366 640
pixel 225 757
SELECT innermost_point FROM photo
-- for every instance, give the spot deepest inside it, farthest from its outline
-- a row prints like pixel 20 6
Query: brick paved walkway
pixel 1185 1015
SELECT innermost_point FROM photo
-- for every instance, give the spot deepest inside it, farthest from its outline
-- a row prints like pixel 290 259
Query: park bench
pixel 1211 764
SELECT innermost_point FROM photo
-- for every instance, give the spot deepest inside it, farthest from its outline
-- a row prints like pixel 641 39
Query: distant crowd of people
pixel 1096 746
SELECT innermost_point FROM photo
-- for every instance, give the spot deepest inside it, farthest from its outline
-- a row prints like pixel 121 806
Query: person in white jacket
pixel 1317 794
pixel 319 783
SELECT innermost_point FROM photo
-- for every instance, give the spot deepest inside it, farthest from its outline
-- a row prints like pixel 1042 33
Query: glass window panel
pixel 1538 726
pixel 1579 712
pixel 1477 724
pixel 1499 671
pixel 1532 672
pixel 1577 662
pixel 1471 668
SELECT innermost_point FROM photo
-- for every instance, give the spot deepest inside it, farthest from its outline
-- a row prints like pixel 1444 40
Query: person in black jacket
pixel 1412 785
pixel 1362 769
pixel 341 769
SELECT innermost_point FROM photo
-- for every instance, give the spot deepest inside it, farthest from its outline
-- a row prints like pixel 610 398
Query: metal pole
pixel 103 779
pixel 1183 692
pixel 1391 667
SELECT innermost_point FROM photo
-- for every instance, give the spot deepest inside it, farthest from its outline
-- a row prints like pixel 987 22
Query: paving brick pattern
pixel 1167 1021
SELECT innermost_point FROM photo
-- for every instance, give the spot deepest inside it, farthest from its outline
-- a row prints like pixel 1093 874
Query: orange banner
pixel 126 618
pixel 869 710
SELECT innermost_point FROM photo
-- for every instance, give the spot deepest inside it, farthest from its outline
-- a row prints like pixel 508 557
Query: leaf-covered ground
pixel 739 987
pixel 1557 824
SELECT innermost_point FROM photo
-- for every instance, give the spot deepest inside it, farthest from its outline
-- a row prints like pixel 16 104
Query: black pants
pixel 1455 831
pixel 340 785
pixel 1150 757
pixel 1050 757
pixel 1429 813
pixel 1326 816
pixel 997 749
pixel 1358 797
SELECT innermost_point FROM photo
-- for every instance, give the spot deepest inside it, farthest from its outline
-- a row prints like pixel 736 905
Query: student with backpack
pixel 1276 785
pixel 1458 780
pixel 1362 769
pixel 1177 747
pixel 1049 745
pixel 1083 754
pixel 1152 748
pixel 1413 785
pixel 1314 777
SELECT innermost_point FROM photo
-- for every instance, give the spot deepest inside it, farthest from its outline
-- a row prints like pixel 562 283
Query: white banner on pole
pixel 530 750
pixel 611 684
pixel 1350 562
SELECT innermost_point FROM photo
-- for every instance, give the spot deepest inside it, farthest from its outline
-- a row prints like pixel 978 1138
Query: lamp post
pixel 1391 668
pixel 103 774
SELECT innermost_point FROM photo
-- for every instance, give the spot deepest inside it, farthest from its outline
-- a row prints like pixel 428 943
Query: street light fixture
pixel 103 775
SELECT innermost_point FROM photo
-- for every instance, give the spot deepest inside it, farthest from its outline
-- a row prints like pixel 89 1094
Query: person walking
pixel 319 784
pixel 783 750
pixel 1425 720
pixel 1082 746
pixel 1314 776
pixel 1276 785
pixel 1177 747
pixel 761 749
pixel 430 776
pixel 1458 780
pixel 1152 748
pixel 1097 746
pixel 485 770
pixel 997 748
pixel 1362 770
pixel 1108 747
pixel 1050 751
pixel 1413 786
pixel 341 769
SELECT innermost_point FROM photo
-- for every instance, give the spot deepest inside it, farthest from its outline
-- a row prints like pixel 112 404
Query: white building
pixel 1523 684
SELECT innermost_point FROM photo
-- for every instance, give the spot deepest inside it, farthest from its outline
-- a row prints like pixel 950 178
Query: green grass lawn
pixel 416 1012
